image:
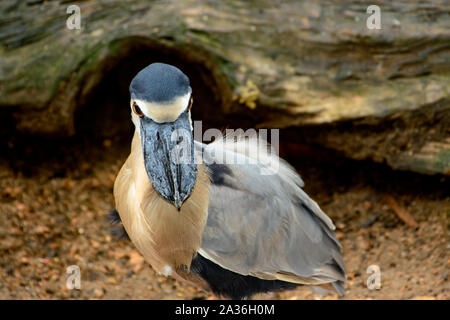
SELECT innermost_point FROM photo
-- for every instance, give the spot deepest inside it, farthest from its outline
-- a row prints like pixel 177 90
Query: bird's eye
pixel 137 110
pixel 190 103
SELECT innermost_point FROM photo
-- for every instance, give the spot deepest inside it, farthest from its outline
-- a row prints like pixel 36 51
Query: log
pixel 309 65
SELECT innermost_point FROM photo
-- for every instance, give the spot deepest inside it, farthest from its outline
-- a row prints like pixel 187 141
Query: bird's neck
pixel 166 237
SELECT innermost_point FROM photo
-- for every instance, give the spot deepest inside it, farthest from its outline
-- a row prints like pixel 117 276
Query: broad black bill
pixel 169 157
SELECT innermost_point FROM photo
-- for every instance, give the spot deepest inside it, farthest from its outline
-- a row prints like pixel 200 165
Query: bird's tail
pixel 339 287
pixel 326 288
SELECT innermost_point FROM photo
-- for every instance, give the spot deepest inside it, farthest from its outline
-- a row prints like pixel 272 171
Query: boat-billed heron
pixel 227 227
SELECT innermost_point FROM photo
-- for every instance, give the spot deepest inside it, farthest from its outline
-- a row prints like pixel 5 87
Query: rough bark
pixel 378 94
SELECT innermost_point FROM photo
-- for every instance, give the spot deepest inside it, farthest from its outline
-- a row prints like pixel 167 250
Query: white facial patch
pixel 164 112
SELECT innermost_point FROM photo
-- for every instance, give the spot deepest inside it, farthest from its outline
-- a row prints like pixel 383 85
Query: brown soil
pixel 54 197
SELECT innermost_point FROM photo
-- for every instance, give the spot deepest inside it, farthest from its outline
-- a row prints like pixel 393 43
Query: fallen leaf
pixel 404 215
pixel 136 261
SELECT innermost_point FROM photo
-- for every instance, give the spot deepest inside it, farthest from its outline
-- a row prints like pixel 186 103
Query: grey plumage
pixel 265 225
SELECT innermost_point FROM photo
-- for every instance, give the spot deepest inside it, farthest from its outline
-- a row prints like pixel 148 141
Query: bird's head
pixel 161 98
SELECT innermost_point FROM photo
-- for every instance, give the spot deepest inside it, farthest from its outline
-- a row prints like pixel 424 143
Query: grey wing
pixel 266 226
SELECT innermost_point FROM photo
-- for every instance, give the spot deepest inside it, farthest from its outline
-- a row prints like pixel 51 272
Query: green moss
pixel 442 162
pixel 205 37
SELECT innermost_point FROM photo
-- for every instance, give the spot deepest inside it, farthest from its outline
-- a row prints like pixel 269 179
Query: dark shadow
pixel 104 130
pixel 105 111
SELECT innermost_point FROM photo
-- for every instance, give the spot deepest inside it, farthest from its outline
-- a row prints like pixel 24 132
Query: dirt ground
pixel 53 206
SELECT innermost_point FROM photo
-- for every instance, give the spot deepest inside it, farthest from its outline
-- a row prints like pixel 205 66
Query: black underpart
pixel 233 285
pixel 222 282
pixel 118 232
pixel 113 217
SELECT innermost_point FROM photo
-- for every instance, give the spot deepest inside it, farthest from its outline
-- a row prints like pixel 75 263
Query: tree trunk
pixel 311 65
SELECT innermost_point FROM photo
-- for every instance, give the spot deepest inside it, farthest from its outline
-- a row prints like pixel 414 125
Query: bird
pixel 228 227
